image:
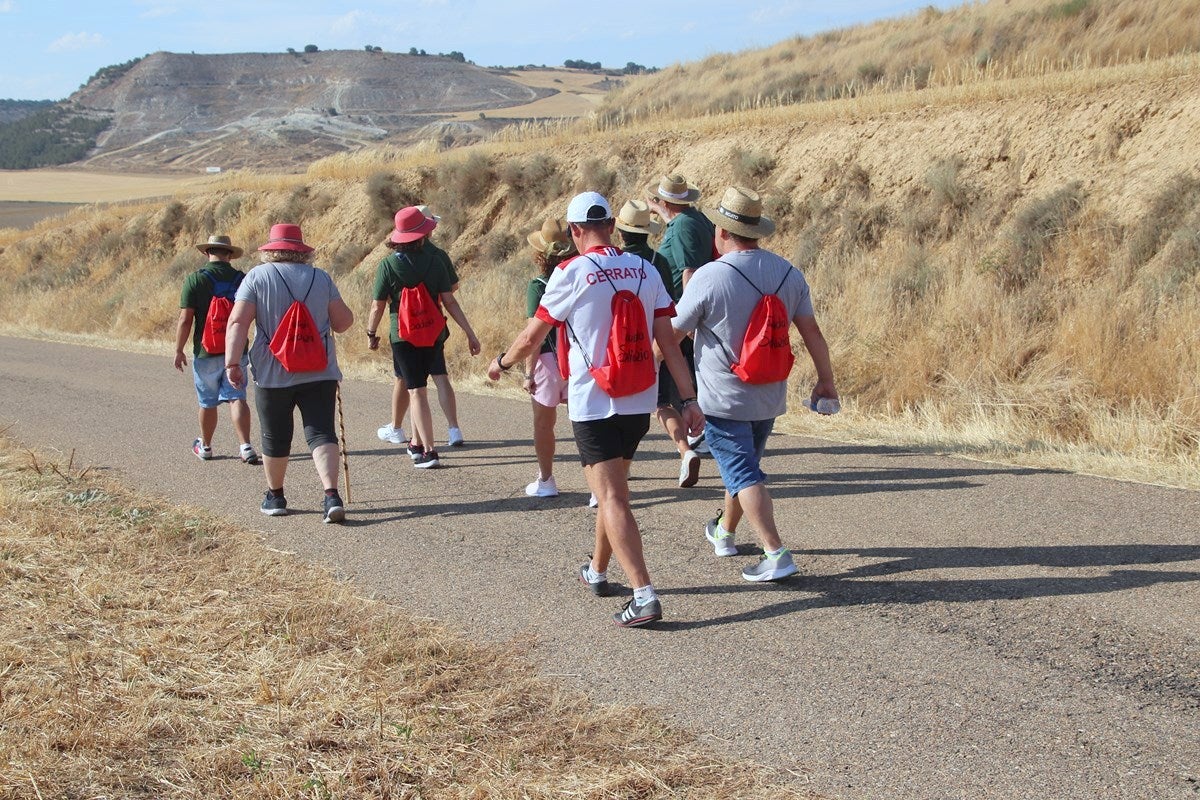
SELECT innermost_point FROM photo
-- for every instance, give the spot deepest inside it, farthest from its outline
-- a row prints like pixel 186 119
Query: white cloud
pixel 7 6
pixel 75 41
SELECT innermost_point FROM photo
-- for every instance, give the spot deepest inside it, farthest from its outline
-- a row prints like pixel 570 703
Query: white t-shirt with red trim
pixel 579 294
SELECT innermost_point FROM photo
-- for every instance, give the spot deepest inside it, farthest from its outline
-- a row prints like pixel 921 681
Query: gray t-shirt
pixel 272 288
pixel 717 304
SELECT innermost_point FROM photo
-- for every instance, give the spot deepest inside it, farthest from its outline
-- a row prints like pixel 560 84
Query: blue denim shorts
pixel 738 449
pixel 212 384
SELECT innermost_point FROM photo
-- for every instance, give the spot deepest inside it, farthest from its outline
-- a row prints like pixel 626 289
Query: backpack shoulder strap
pixel 747 280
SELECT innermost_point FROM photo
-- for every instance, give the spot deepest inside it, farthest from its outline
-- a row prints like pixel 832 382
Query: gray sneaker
pixel 633 615
pixel 771 568
pixel 719 538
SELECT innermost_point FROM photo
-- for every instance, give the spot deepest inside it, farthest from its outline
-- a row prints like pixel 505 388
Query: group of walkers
pixel 695 333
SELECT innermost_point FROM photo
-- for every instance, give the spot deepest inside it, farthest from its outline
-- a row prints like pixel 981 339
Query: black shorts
pixel 317 402
pixel 668 392
pixel 414 365
pixel 617 436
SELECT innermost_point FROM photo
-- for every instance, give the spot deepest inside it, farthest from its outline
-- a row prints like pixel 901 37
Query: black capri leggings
pixel 317 403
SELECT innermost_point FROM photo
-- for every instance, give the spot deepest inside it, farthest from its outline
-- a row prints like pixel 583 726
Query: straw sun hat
pixel 220 243
pixel 740 212
pixel 674 189
pixel 635 218
pixel 553 239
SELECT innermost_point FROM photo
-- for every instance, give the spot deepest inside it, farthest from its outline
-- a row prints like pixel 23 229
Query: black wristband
pixel 371 335
pixel 500 363
pixel 687 402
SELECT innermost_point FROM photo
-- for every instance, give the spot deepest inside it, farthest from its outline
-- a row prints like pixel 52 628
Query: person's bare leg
pixel 544 418
pixel 732 514
pixel 616 530
pixel 422 417
pixel 275 468
pixel 672 422
pixel 325 456
pixel 239 412
pixel 446 399
pixel 756 502
pixel 399 403
pixel 208 425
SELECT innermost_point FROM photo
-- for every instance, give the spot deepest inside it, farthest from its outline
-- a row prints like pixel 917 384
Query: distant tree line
pixel 578 63
pixel 13 110
pixel 48 137
pixel 112 72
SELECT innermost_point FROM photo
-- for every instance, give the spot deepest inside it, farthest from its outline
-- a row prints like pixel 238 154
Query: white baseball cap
pixel 589 207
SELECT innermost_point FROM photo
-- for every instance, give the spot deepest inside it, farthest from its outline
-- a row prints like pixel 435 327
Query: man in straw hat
pixel 286 276
pixel 410 265
pixel 717 306
pixel 636 225
pixel 218 278
pixel 607 429
pixel 687 244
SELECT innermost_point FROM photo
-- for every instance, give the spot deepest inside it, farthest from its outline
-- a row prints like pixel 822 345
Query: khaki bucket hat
pixel 220 243
pixel 674 189
pixel 740 212
pixel 635 218
pixel 552 239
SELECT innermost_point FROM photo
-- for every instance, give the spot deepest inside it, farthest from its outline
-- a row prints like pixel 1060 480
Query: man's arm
pixel 237 332
pixel 528 341
pixel 340 315
pixel 818 350
pixel 374 317
pixel 183 330
pixel 460 318
pixel 668 345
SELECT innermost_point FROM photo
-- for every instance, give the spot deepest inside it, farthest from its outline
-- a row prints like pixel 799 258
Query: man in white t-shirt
pixel 579 295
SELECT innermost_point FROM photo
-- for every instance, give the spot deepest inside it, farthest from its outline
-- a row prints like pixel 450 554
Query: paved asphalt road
pixel 961 630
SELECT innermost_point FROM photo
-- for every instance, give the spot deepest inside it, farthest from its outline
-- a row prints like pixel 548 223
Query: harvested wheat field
pixel 150 651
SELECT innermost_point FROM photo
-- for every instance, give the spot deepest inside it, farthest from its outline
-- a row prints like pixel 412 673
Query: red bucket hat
pixel 285 236
pixel 411 225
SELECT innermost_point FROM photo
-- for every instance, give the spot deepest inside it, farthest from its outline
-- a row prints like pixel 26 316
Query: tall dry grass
pixel 153 651
pixel 971 44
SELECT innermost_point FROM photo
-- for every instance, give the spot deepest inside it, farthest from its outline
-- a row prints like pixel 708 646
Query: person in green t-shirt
pixel 217 279
pixel 393 431
pixel 412 263
pixel 543 378
pixel 636 225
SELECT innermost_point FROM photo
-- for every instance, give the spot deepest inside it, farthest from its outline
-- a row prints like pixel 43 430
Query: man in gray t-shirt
pixel 717 306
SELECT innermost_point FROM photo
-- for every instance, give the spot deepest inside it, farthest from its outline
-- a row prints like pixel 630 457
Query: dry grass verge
pixel 149 651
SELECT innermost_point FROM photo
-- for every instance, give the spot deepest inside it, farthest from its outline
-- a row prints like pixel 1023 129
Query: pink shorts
pixel 549 386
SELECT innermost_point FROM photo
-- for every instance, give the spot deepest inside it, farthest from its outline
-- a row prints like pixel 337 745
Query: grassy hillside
pixel 976 42
pixel 1005 267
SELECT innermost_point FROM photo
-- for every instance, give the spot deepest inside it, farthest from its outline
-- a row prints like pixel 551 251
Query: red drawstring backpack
pixel 297 344
pixel 419 321
pixel 766 355
pixel 629 357
pixel 219 309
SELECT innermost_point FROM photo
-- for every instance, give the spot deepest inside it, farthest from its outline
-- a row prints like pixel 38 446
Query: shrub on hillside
pixel 531 178
pixel 1018 260
pixel 347 258
pixel 172 219
pixel 1167 211
pixel 387 195
pixel 595 176
pixel 751 167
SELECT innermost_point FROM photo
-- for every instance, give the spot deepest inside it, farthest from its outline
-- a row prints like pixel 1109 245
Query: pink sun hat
pixel 411 225
pixel 285 236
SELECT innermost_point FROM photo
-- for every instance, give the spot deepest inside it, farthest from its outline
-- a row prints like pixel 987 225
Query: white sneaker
pixel 593 502
pixel 388 433
pixel 542 488
pixel 689 469
pixel 455 438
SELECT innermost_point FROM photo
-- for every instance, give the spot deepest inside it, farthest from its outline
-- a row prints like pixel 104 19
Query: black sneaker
pixel 415 451
pixel 633 615
pixel 599 588
pixel 335 510
pixel 274 505
pixel 427 460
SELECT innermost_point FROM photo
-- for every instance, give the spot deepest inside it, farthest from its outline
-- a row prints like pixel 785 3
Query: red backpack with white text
pixel 219 309
pixel 419 320
pixel 629 356
pixel 766 354
pixel 297 343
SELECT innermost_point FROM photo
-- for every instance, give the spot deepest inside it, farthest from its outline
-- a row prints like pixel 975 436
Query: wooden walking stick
pixel 342 442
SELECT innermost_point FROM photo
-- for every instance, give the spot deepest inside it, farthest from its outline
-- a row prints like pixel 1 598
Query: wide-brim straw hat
pixel 635 218
pixel 424 209
pixel 220 243
pixel 285 236
pixel 674 189
pixel 740 212
pixel 411 224
pixel 552 239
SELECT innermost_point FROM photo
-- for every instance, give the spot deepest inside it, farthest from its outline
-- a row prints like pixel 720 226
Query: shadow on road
pixel 809 592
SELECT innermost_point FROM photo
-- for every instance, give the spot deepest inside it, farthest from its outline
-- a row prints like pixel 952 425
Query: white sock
pixel 644 594
pixel 596 577
pixel 775 553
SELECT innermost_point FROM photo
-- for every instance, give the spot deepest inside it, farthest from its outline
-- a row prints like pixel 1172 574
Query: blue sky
pixel 53 47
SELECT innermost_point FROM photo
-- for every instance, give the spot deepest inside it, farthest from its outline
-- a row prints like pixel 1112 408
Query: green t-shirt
pixel 405 270
pixel 533 299
pixel 687 243
pixel 656 258
pixel 197 294
pixel 445 259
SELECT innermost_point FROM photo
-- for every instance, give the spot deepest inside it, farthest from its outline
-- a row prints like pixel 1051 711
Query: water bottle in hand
pixel 824 405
